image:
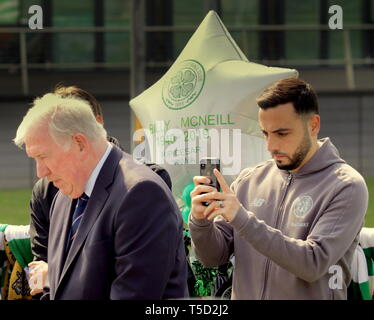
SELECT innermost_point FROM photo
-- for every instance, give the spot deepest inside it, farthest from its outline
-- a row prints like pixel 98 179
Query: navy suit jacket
pixel 42 197
pixel 129 244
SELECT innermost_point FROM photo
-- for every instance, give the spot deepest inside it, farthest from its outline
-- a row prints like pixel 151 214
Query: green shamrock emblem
pixel 182 84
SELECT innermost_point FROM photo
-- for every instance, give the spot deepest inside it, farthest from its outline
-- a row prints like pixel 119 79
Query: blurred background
pixel 117 48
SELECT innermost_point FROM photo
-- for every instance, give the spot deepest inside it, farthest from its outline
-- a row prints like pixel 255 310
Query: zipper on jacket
pixel 268 261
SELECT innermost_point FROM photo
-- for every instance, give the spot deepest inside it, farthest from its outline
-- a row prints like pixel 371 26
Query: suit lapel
pixel 59 225
pixel 94 207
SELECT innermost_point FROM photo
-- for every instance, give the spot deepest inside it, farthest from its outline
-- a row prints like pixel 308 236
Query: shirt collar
pixel 93 177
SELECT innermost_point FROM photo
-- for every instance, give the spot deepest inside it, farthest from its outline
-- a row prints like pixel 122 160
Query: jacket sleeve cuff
pixel 240 220
pixel 200 222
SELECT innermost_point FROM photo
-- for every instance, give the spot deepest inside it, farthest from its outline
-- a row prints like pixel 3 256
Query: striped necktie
pixel 77 217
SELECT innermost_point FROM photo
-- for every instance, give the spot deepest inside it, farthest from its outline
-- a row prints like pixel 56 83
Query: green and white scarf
pixel 367 244
pixel 360 285
pixel 18 238
pixel 3 258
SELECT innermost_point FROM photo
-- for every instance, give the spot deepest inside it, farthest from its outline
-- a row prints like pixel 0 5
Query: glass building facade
pixel 114 47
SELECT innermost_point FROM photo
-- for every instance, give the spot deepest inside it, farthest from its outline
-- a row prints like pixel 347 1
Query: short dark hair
pixel 294 90
pixel 82 94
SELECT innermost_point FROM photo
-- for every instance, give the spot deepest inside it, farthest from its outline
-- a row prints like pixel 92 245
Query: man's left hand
pixel 223 203
pixel 38 276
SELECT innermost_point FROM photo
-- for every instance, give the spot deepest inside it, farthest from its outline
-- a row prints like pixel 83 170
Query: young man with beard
pixel 292 222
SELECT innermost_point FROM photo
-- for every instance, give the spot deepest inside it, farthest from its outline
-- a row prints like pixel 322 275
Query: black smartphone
pixel 207 165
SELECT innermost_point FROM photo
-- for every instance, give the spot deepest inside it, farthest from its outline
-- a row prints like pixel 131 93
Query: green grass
pixel 14 206
pixel 369 219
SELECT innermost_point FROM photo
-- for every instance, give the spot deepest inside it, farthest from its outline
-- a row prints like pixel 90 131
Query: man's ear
pixel 315 124
pixel 81 141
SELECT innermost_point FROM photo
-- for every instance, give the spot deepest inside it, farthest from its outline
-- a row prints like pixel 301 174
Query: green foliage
pixel 205 278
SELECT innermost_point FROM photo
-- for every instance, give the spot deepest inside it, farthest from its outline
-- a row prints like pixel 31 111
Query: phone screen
pixel 206 169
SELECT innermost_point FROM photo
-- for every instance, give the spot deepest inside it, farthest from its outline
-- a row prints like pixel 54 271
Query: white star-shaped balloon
pixel 205 106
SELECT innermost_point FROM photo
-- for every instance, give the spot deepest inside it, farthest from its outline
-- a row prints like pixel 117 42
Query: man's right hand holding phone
pixel 223 203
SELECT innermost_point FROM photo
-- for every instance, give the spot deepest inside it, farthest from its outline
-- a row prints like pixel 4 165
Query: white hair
pixel 65 117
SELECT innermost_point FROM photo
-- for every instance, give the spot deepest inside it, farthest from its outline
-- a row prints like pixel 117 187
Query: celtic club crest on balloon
pixel 184 85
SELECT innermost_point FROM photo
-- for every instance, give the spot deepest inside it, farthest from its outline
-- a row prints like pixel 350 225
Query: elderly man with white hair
pixel 115 230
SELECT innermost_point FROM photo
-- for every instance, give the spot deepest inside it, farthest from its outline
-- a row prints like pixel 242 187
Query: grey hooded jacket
pixel 295 234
